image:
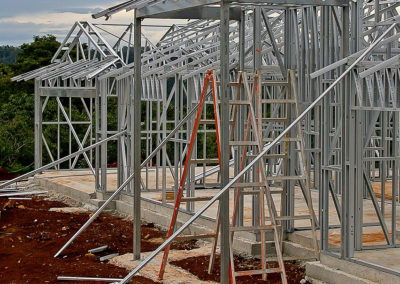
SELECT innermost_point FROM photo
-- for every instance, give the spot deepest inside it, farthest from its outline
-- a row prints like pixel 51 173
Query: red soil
pixel 30 235
pixel 199 267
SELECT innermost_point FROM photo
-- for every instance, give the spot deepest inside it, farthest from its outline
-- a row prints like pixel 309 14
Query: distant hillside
pixel 8 54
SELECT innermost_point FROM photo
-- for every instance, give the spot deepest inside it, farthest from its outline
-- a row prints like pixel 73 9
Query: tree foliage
pixel 17 103
pixel 8 54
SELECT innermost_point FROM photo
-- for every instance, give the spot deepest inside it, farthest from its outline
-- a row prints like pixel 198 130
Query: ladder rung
pixel 205 161
pixel 286 177
pixel 211 121
pixel 259 271
pixel 196 198
pixel 287 218
pixel 243 143
pixel 239 102
pixel 275 83
pixel 248 184
pixel 207 121
pixel 251 228
pixel 278 101
pixel 191 237
pixel 248 192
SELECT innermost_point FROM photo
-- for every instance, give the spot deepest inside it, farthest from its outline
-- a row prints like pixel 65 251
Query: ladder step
pixel 196 198
pixel 286 178
pixel 243 143
pixel 287 218
pixel 205 161
pixel 211 121
pixel 248 184
pixel 191 237
pixel 251 228
pixel 239 102
pixel 275 83
pixel 249 192
pixel 207 121
pixel 278 101
pixel 259 271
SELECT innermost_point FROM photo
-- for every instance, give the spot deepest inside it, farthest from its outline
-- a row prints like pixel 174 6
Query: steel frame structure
pixel 346 55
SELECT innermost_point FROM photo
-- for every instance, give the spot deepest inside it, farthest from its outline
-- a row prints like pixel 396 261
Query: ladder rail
pixel 209 79
pixel 184 175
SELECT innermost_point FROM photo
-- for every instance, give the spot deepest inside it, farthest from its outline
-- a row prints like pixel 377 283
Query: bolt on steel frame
pixel 346 50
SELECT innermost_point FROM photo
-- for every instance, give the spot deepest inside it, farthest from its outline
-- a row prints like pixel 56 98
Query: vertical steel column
pixel 242 117
pixel 178 99
pixel 128 90
pixel 38 126
pixel 395 175
pixel 96 135
pixel 120 100
pixel 360 116
pixel 325 141
pixel 103 130
pixel 347 182
pixel 190 184
pixel 256 66
pixel 225 95
pixel 288 185
pixel 136 125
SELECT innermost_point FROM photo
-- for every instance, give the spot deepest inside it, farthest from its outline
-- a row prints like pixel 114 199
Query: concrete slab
pixel 389 258
pixel 367 274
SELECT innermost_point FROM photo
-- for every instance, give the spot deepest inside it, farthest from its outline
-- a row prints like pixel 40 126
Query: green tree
pixel 17 103
pixel 8 54
pixel 36 54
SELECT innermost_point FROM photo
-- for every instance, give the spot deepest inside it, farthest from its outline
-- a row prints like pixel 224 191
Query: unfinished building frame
pixel 345 57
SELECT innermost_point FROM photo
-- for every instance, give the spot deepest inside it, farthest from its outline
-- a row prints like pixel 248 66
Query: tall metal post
pixel 256 66
pixel 38 126
pixel 348 191
pixel 136 135
pixel 103 126
pixel 242 115
pixel 324 190
pixel 224 200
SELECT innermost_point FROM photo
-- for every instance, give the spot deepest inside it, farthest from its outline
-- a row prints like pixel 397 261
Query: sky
pixel 20 20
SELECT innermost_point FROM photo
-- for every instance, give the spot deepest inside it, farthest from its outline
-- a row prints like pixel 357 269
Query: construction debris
pixel 36 192
pixel 99 249
pixel 20 198
pixel 109 256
